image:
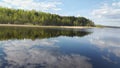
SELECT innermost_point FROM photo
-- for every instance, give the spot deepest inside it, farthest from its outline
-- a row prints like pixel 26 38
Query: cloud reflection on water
pixel 107 40
pixel 32 54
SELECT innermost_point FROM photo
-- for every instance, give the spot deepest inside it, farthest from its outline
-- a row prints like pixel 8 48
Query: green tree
pixel 13 16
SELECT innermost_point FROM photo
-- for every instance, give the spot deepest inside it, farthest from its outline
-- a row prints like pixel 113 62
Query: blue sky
pixel 106 12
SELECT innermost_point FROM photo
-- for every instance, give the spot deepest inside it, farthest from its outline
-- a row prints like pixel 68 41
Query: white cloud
pixel 31 4
pixel 116 4
pixel 107 14
pixel 27 43
pixel 107 40
pixel 109 11
pixel 32 54
pixel 108 59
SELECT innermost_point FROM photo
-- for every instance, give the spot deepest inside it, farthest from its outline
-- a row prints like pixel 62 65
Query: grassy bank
pixel 15 25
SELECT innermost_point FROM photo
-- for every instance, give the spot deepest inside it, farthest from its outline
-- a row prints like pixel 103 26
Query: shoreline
pixel 15 25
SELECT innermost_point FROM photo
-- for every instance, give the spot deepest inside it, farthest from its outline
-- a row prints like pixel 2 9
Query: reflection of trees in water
pixel 33 33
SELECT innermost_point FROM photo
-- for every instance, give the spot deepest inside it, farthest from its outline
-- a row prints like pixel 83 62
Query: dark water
pixel 59 48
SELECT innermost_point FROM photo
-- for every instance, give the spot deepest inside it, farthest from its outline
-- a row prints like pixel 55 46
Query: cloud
pixel 109 59
pixel 107 41
pixel 27 43
pixel 31 4
pixel 107 14
pixel 22 53
pixel 109 11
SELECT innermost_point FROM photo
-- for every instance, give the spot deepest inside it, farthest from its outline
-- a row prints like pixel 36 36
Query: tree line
pixel 19 16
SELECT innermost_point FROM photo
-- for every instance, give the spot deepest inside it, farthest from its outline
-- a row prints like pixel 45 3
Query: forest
pixel 32 17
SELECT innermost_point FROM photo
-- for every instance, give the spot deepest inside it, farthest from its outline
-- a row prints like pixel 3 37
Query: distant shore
pixel 15 25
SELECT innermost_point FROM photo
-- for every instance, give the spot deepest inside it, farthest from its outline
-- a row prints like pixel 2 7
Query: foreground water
pixel 59 48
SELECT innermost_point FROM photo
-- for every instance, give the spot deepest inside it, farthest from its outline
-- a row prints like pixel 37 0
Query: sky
pixel 104 12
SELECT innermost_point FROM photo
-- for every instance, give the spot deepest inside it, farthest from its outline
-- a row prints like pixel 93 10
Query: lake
pixel 59 48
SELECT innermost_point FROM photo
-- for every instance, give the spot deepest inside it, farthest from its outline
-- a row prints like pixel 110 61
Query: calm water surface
pixel 59 48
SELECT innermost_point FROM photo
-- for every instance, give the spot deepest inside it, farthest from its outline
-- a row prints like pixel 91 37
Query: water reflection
pixel 38 33
pixel 108 41
pixel 39 54
pixel 59 48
